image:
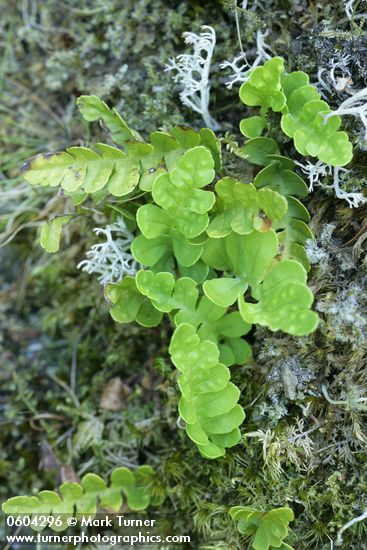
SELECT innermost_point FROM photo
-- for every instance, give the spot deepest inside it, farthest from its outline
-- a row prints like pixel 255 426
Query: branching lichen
pixel 317 172
pixel 314 172
pixel 353 199
pixel 192 73
pixel 355 105
pixel 339 538
pixel 112 259
pixel 337 78
pixel 241 67
pixel 349 10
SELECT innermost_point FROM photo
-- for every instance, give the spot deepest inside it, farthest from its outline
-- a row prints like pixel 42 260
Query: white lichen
pixel 318 251
pixel 111 259
pixel 192 73
pixel 353 199
pixel 241 67
pixel 336 78
pixel 316 173
pixel 339 538
pixel 317 255
pixel 342 80
pixel 352 401
pixel 355 105
pixel 349 10
pixel 346 315
pixel 348 7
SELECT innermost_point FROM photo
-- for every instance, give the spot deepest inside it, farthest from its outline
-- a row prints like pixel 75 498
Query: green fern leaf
pixel 266 529
pixel 51 233
pixel 283 301
pixel 128 304
pixel 179 215
pixel 92 108
pixel 82 169
pixel 248 257
pixel 87 497
pixel 264 86
pixel 209 401
pixel 211 321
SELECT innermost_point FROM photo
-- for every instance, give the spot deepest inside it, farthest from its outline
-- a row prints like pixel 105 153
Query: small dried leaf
pixel 67 473
pixel 112 398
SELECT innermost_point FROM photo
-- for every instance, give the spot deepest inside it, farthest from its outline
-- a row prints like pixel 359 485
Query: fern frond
pixel 93 108
pixel 87 497
pixel 208 404
pixel 82 169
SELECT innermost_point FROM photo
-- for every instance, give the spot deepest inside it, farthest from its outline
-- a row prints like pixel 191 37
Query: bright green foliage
pixel 284 298
pixel 264 88
pixel 258 150
pixel 112 170
pixel 212 322
pixel 283 301
pixel 93 108
pixel 130 305
pixel 278 175
pixel 208 247
pixel 51 233
pixel 248 258
pixel 302 109
pixel 209 401
pixel 253 126
pixel 304 122
pixel 179 213
pixel 82 169
pixel 241 208
pixel 86 498
pixel 179 193
pixel 292 229
pixel 293 232
pixel 267 529
pixel 165 148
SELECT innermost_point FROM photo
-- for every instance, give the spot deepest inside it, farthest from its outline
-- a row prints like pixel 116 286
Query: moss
pixel 304 438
